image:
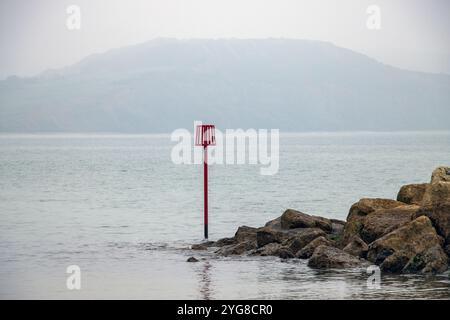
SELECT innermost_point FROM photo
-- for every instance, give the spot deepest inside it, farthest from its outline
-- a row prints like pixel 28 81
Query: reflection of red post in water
pixel 205 136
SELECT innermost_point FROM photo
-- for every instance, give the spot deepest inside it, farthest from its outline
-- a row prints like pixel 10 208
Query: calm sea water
pixel 117 207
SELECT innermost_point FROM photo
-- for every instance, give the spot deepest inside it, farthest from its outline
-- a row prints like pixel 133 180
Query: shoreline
pixel 408 235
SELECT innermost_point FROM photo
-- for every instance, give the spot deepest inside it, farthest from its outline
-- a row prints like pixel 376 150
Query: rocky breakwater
pixel 407 235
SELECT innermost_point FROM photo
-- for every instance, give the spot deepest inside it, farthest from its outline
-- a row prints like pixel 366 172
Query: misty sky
pixel 414 34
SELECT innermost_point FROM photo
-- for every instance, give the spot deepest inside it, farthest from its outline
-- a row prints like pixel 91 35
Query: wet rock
pixel 270 249
pixel 332 257
pixel 431 261
pixel 359 211
pixel 383 221
pixel 274 249
pixel 192 259
pixel 284 253
pixel 291 219
pixel 223 242
pixel 307 251
pixel 412 241
pixel 440 174
pixel 412 193
pixel 395 262
pixel 439 214
pixel 199 247
pixel 303 238
pixel 357 247
pixel 237 249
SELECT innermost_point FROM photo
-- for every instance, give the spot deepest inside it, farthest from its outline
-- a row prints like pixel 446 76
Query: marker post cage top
pixel 205 135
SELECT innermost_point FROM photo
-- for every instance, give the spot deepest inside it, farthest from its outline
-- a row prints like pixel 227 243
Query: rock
pixel 266 235
pixel 412 193
pixel 291 219
pixel 394 262
pixel 274 224
pixel 295 239
pixel 337 227
pixel 199 247
pixel 439 215
pixel 435 260
pixel 359 211
pixel 243 240
pixel 396 249
pixel 368 205
pixel 270 249
pixel 436 193
pixel 432 261
pixel 331 257
pixel 308 250
pixel 303 238
pixel 192 259
pixel 237 249
pixel 273 249
pixel 284 253
pixel 245 233
pixel 383 221
pixel 223 242
pixel 357 247
pixel 447 250
pixel 440 174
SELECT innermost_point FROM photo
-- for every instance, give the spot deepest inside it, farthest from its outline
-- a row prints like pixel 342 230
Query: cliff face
pixel 410 234
pixel 293 85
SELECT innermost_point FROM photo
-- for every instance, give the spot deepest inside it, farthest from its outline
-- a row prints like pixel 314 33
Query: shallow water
pixel 116 206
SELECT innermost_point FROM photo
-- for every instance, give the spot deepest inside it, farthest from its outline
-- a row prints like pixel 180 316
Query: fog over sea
pixel 116 206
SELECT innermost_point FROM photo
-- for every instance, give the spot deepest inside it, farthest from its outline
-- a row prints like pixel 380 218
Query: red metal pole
pixel 205 184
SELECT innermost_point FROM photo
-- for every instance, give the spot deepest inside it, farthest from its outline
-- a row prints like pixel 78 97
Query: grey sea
pixel 117 207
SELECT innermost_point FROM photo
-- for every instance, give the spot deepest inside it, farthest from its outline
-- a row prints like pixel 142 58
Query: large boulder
pixel 380 222
pixel 368 205
pixel 302 238
pixel 308 250
pixel 236 249
pixel 440 174
pixel 291 219
pixel 266 235
pixel 274 224
pixel 358 213
pixel 222 242
pixel 439 215
pixel 357 247
pixel 245 233
pixel 436 192
pixel 430 261
pixel 332 257
pixel 412 193
pixel 417 240
pixel 273 249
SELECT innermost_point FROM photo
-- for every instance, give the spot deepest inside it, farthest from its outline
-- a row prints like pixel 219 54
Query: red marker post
pixel 205 136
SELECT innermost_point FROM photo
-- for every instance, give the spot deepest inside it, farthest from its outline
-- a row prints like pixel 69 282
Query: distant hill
pixel 293 85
